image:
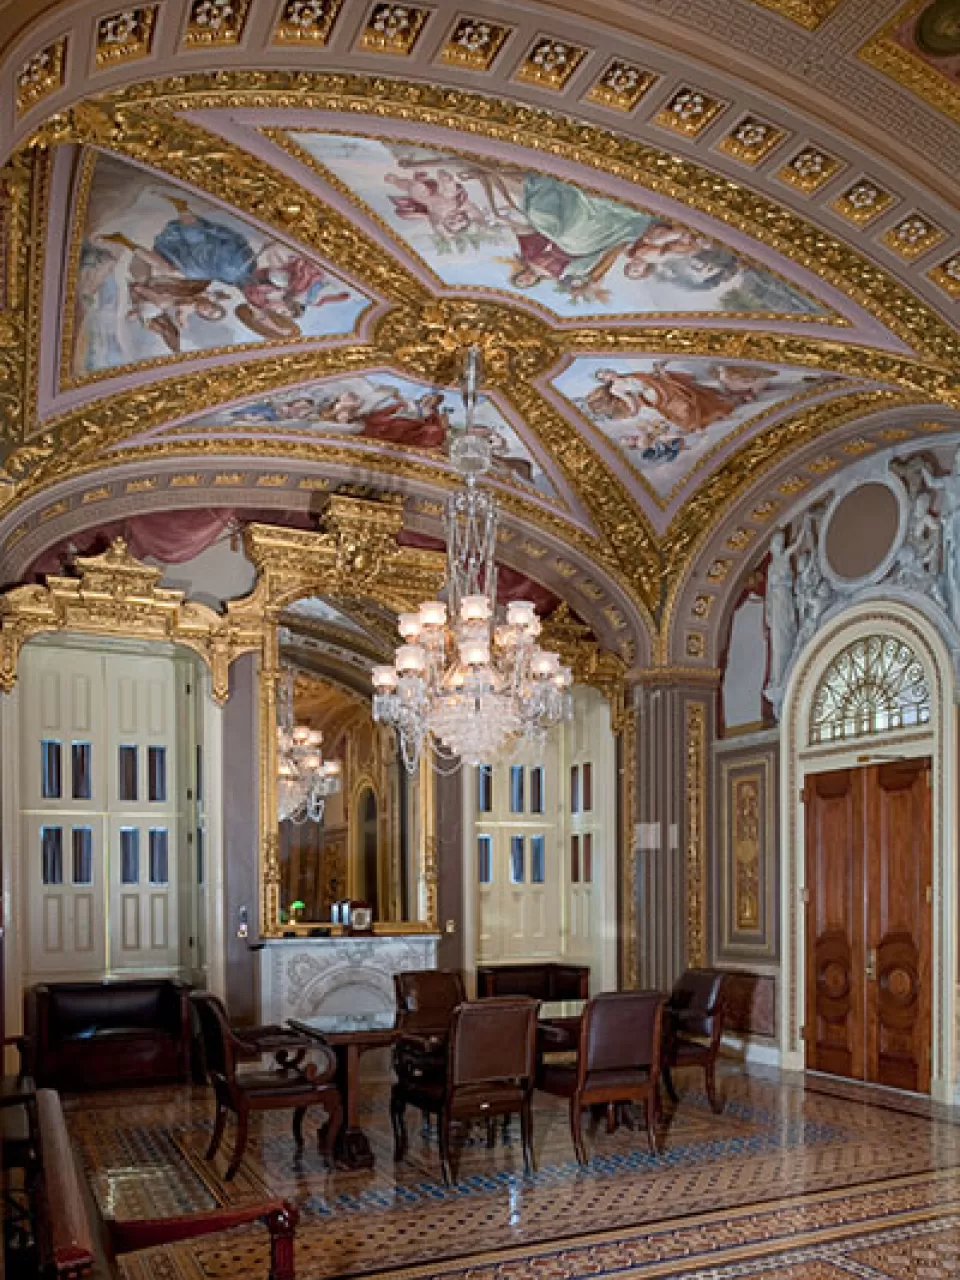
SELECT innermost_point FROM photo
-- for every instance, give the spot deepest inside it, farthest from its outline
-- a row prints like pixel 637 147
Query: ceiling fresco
pixel 668 416
pixel 482 224
pixel 162 272
pixel 383 412
pixel 239 269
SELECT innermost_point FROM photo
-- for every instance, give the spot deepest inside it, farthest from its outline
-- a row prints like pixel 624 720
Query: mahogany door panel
pixel 834 924
pixel 868 923
pixel 899 870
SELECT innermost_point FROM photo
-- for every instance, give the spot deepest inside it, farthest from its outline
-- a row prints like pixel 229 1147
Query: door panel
pixel 898 927
pixel 834 939
pixel 868 923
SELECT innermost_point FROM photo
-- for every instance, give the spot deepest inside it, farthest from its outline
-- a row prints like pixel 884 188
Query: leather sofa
pixel 541 980
pixel 93 1035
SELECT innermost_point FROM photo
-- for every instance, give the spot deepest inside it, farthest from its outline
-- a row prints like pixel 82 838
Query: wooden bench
pixel 73 1239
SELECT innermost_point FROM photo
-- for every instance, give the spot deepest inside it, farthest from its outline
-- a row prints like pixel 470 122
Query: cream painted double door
pixel 103 802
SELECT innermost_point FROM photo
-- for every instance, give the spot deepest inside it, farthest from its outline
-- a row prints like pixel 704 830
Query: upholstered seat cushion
pixel 270 1084
pixel 117 1033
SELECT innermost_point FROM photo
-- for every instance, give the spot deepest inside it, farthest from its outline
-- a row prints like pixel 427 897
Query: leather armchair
pixel 489 1071
pixel 90 1035
pixel 694 1027
pixel 426 999
pixel 291 1087
pixel 618 1060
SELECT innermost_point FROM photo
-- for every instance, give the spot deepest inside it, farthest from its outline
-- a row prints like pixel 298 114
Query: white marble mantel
pixel 301 977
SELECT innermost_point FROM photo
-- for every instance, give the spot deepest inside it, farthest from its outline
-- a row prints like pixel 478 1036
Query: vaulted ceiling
pixel 711 254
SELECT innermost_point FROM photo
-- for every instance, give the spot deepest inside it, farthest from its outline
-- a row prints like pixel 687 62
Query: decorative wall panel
pixel 745 872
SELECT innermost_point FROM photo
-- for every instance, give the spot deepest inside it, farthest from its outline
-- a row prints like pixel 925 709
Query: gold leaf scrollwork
pixel 114 594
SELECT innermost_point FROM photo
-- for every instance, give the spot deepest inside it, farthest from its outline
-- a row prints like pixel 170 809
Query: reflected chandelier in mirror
pixel 304 778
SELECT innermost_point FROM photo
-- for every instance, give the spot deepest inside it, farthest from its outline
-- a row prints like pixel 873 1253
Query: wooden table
pixel 559 1025
pixel 349 1035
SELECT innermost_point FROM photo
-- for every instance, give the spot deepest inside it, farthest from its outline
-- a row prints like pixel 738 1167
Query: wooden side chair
pixel 618 1061
pixel 693 1029
pixel 426 999
pixel 290 1086
pixel 489 1071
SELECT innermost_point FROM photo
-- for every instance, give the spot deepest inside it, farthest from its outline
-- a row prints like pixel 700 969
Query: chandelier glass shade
pixel 470 681
pixel 304 778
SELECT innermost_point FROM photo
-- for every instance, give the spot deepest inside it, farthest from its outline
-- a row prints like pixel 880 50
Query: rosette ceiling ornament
pixel 304 778
pixel 470 684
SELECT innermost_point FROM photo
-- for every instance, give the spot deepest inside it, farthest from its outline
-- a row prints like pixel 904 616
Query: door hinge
pixel 803 1033
pixel 929 894
pixel 805 895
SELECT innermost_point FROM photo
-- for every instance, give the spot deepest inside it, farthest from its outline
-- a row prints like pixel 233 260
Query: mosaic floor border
pixel 788 1177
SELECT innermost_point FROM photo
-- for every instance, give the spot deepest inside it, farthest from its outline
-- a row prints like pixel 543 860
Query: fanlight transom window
pixel 874 685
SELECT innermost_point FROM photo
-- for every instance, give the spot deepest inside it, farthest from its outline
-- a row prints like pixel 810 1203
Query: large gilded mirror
pixel 371 844
pixel 330 602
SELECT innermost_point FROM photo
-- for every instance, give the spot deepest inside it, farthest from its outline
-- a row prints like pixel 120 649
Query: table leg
pixel 353 1147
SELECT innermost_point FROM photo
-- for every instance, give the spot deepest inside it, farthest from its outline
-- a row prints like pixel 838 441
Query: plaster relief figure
pixel 780 610
pixel 919 558
pixel 813 594
pixel 949 487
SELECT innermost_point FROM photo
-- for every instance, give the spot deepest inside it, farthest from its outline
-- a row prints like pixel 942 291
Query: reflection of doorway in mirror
pixel 313 866
pixel 365 882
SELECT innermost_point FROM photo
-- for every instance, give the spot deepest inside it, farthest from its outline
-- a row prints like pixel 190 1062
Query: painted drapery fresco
pixel 162 272
pixel 666 415
pixel 387 408
pixel 481 223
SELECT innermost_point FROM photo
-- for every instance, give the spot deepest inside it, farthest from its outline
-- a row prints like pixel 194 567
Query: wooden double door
pixel 868 923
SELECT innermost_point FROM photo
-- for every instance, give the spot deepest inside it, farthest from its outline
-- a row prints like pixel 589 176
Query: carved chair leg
pixel 443 1121
pixel 709 1070
pixel 327 1136
pixel 398 1109
pixel 653 1109
pixel 526 1135
pixel 576 1128
pixel 239 1146
pixel 216 1137
pixel 669 1086
pixel 298 1115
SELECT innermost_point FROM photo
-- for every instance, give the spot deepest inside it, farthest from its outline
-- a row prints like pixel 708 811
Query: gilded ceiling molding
pixel 355 555
pixel 114 594
pixel 700 516
pixel 141 121
pixel 589 663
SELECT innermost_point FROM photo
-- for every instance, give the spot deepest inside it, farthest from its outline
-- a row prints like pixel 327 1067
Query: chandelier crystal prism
pixel 470 683
pixel 304 778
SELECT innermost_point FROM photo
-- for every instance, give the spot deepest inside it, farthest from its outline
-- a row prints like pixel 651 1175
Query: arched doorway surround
pixel 935 738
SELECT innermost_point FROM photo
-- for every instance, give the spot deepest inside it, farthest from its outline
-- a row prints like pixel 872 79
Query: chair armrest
pixel 148 1233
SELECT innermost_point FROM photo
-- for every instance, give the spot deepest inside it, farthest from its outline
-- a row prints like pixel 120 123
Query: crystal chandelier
pixel 304 778
pixel 467 683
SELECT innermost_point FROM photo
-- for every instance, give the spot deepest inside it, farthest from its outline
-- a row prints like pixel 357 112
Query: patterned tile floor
pixel 804 1179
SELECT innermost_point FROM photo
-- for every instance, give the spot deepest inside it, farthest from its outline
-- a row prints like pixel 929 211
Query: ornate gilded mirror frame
pixel 355 556
pixel 114 594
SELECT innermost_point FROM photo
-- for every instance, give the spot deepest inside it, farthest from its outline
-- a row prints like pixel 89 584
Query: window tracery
pixel 875 684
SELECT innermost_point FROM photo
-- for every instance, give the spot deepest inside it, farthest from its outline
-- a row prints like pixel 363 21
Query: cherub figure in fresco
pixel 276 284
pixel 442 200
pixel 161 298
pixel 565 236
pixel 743 380
pixel 660 243
pixel 685 402
pixel 294 409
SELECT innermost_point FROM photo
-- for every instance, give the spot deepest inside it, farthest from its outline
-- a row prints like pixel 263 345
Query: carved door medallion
pixel 868 923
